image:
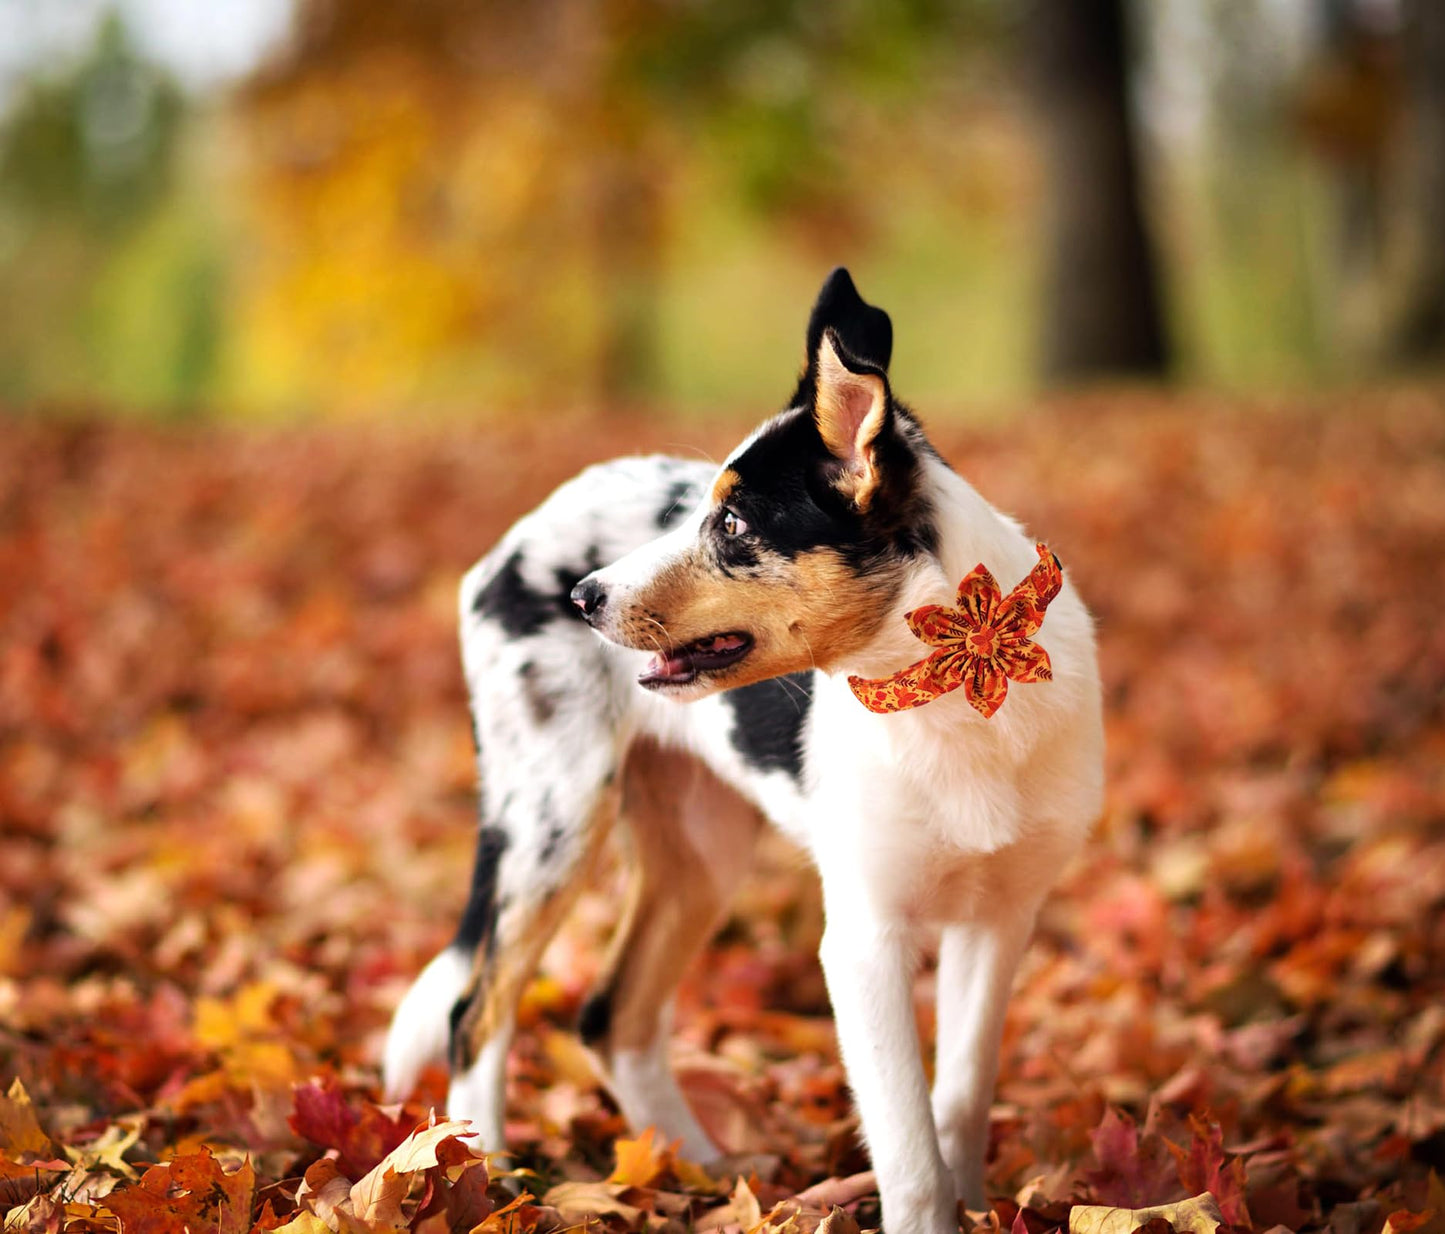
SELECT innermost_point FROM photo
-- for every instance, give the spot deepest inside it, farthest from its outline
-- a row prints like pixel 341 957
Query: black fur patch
pixel 768 719
pixel 541 700
pixel 594 1021
pixel 479 918
pixel 550 845
pixel 681 497
pixel 457 1049
pixel 788 498
pixel 522 609
pixel 508 599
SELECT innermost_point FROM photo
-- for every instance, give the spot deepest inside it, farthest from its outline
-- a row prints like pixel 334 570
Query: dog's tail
pixel 421 1027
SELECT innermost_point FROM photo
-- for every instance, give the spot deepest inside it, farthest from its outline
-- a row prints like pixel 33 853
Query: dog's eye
pixel 732 525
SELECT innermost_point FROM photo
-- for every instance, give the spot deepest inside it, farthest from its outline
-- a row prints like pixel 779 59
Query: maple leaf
pixel 1203 1166
pixel 1132 1173
pixel 322 1115
pixel 191 1191
pixel 641 1161
pixel 464 1185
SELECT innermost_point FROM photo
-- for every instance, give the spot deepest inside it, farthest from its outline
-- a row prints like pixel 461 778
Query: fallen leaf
pixel 192 1191
pixel 640 1161
pixel 20 1134
pixel 838 1221
pixel 1197 1215
pixel 323 1115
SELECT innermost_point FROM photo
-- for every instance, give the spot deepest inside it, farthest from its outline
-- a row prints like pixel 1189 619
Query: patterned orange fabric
pixel 982 643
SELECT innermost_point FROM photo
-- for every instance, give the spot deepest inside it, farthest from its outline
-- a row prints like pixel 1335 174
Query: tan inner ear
pixel 850 412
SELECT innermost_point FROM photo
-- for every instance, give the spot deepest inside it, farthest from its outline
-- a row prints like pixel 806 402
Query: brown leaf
pixel 1197 1215
pixel 838 1221
pixel 576 1201
pixel 20 1134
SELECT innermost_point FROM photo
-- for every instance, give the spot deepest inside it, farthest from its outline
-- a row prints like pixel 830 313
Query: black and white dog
pixel 751 592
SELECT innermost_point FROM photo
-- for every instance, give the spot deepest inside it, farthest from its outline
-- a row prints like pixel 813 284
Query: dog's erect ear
pixel 865 332
pixel 850 408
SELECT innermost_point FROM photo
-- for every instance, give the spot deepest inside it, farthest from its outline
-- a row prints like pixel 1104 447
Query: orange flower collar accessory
pixel 982 643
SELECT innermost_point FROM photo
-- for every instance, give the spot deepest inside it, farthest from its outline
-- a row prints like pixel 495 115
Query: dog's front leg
pixel 976 964
pixel 869 966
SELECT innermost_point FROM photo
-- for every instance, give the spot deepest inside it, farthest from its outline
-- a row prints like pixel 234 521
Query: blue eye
pixel 732 525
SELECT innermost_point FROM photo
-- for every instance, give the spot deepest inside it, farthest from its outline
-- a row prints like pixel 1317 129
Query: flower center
pixel 982 642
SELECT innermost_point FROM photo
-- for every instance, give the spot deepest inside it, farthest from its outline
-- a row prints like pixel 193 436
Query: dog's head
pixel 794 557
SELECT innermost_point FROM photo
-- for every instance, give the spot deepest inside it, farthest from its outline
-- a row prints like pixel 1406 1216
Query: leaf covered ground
pixel 236 813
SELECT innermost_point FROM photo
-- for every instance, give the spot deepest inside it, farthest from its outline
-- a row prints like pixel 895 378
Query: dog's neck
pixel 970 531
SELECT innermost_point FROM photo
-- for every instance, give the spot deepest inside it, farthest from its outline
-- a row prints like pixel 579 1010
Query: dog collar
pixel 982 643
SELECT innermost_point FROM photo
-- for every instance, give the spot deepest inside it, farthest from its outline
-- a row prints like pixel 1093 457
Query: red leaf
pixel 1133 1172
pixel 323 1116
pixel 190 1192
pixel 1204 1167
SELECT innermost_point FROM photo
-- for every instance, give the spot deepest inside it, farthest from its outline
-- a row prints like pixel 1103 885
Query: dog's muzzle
pixel 589 597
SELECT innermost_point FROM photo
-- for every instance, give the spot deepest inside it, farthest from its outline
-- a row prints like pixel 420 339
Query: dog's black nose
pixel 589 597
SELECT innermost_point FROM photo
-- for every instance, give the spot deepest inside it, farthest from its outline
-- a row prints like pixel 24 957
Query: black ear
pixel 863 331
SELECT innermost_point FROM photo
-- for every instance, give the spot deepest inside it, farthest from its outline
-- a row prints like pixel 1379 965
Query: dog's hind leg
pixel 548 757
pixel 690 838
pixel 521 893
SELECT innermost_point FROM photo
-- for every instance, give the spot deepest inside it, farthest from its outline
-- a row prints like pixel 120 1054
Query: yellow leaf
pixel 500 1222
pixel 1197 1215
pixel 19 1131
pixel 221 1023
pixel 109 1151
pixel 692 1176
pixel 303 1223
pixel 639 1161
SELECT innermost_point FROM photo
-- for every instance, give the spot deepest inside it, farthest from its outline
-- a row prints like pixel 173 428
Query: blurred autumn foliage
pixel 433 207
pixel 235 781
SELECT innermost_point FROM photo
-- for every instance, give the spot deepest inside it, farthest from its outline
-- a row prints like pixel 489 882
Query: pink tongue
pixel 667 666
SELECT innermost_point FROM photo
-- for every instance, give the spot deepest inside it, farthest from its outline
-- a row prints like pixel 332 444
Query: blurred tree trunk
pixel 1102 303
pixel 1418 333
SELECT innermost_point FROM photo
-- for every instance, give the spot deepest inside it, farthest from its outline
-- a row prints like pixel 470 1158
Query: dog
pixel 750 592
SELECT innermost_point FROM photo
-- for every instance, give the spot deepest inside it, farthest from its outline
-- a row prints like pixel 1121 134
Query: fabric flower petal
pixel 915 685
pixel 985 686
pixel 978 595
pixel 937 625
pixel 1025 662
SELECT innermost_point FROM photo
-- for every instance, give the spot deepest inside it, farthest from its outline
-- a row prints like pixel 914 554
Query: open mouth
pixel 703 655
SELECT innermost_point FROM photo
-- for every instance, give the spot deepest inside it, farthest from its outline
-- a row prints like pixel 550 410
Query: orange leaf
pixel 640 1161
